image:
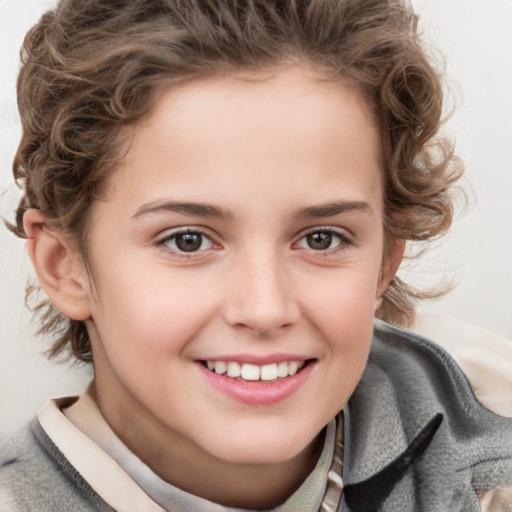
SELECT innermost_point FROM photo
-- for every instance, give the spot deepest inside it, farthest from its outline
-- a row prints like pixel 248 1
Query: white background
pixel 476 39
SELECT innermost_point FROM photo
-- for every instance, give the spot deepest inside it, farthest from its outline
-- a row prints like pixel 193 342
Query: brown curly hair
pixel 91 67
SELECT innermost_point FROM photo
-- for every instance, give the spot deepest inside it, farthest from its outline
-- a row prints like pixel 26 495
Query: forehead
pixel 286 134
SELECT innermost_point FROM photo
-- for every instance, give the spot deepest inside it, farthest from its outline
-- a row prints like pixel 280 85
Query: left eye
pixel 188 241
pixel 321 240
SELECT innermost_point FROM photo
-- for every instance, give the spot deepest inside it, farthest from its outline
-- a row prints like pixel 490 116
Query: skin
pixel 266 153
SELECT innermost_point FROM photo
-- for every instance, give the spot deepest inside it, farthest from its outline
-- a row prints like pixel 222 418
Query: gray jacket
pixel 415 439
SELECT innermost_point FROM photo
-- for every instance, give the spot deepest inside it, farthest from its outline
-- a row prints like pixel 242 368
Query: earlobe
pixel 57 267
pixel 393 256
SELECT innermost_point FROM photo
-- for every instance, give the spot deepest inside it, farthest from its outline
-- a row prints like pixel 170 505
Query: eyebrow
pixel 192 209
pixel 334 208
pixel 213 211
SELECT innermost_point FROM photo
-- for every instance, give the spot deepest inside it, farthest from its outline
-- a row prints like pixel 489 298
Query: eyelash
pixel 171 237
pixel 343 241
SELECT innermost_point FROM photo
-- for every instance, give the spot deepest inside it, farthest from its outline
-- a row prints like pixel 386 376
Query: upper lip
pixel 259 360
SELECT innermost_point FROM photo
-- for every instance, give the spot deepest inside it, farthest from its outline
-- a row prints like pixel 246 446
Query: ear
pixel 58 268
pixel 393 255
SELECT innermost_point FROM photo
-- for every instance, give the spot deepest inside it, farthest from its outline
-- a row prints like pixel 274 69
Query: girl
pixel 217 196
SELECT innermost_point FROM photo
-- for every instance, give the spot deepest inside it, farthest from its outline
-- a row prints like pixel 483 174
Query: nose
pixel 261 298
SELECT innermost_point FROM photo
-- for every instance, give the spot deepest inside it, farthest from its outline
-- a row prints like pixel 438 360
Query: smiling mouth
pixel 254 372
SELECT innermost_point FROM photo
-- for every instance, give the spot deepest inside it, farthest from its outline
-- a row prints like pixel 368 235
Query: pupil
pixel 320 240
pixel 189 242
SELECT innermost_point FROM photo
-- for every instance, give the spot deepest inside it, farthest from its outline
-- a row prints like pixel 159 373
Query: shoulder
pixel 21 459
pixel 484 356
pixel 474 365
pixel 425 379
pixel 416 433
pixel 33 471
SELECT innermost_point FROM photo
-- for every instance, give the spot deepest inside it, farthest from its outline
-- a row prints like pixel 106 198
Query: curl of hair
pixel 90 68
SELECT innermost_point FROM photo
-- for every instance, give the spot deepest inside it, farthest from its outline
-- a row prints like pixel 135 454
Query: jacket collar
pixel 413 406
pixel 389 422
pixel 368 494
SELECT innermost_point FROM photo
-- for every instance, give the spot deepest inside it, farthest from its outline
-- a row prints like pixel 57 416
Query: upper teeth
pixel 255 372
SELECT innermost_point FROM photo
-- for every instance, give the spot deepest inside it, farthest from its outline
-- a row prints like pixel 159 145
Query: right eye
pixel 188 241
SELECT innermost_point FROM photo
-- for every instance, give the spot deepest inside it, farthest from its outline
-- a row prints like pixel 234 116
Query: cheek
pixel 344 302
pixel 342 316
pixel 342 312
pixel 146 316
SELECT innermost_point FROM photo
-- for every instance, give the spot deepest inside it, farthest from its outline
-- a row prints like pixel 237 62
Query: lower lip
pixel 258 392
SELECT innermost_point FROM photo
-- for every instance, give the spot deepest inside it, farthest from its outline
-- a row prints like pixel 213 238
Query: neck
pixel 185 465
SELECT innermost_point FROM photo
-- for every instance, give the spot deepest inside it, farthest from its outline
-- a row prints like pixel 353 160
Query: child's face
pixel 244 225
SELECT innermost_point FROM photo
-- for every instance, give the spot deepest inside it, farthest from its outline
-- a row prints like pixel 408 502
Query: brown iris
pixel 189 242
pixel 319 240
